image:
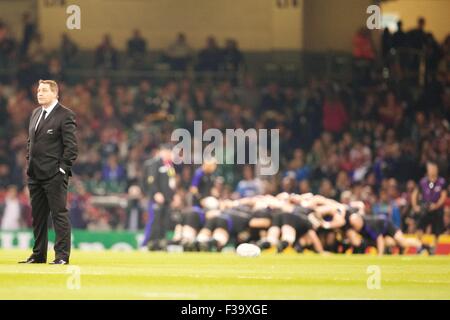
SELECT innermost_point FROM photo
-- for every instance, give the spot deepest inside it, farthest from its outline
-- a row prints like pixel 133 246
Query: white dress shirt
pixel 48 109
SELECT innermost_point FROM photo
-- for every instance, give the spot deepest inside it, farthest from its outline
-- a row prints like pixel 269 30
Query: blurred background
pixel 358 110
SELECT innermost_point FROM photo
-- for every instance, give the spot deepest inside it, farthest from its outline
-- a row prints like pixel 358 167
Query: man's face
pixel 45 95
pixel 210 166
pixel 432 170
pixel 12 193
pixel 166 154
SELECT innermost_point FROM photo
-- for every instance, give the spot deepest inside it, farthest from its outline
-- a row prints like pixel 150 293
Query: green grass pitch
pixel 145 275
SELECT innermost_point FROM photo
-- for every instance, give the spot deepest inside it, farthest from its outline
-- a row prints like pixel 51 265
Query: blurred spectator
pixel 433 54
pixel 203 181
pixel 68 49
pixel 3 112
pixel 416 40
pixel 134 210
pixel 298 167
pixel 12 211
pixel 417 37
pixel 327 190
pixel 114 174
pixel 179 53
pixel 335 117
pixel 399 38
pixel 106 56
pixel 363 55
pixel 386 43
pixel 428 201
pixel 400 44
pixel 249 186
pixel 272 99
pixel 304 186
pixel 232 56
pixel 5 178
pixel 288 184
pixel 99 220
pixel 362 45
pixel 77 205
pixel 248 95
pixel 387 208
pixel 29 31
pixel 211 57
pixel 136 49
pixel 360 158
pixel 7 47
pixel 54 70
pixel 343 182
pixel 36 50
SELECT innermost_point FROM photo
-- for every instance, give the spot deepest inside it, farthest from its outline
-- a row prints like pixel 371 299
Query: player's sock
pixel 282 245
pixel 298 247
pixel 214 244
pixel 187 245
pixel 263 244
pixel 204 246
pixel 195 246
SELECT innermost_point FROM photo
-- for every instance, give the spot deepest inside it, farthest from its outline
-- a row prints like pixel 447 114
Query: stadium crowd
pixel 367 141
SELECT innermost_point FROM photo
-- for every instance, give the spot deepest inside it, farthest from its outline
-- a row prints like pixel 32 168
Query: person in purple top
pixel 428 201
pixel 203 181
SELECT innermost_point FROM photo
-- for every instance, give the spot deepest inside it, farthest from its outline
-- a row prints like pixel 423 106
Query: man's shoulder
pixel 36 110
pixel 199 171
pixel 441 181
pixel 152 162
pixel 66 111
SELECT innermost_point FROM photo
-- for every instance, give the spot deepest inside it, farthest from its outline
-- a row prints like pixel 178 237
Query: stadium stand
pixel 362 126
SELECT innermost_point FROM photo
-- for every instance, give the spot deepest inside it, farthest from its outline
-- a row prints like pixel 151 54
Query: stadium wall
pixel 256 24
pixel 328 25
pixel 11 12
pixel 435 12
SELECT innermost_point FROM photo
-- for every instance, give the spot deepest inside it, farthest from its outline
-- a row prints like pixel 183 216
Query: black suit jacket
pixel 157 179
pixel 53 145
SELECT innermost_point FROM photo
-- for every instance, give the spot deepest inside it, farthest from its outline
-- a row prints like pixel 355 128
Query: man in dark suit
pixel 159 185
pixel 52 149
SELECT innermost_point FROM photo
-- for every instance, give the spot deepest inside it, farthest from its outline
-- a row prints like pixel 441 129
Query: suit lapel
pixel 45 121
pixel 34 119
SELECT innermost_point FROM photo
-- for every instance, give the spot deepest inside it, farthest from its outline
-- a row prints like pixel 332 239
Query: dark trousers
pixel 158 222
pixel 50 195
pixel 435 219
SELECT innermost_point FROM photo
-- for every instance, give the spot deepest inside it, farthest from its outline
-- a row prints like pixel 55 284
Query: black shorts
pixel 194 219
pixel 277 220
pixel 238 224
pixel 300 223
pixel 375 226
pixel 215 223
pixel 233 224
pixel 434 218
pixel 390 229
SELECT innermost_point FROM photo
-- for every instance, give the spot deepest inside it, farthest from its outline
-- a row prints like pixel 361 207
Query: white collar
pixel 52 106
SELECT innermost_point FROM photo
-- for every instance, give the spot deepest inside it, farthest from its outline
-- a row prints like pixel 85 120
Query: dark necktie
pixel 42 120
